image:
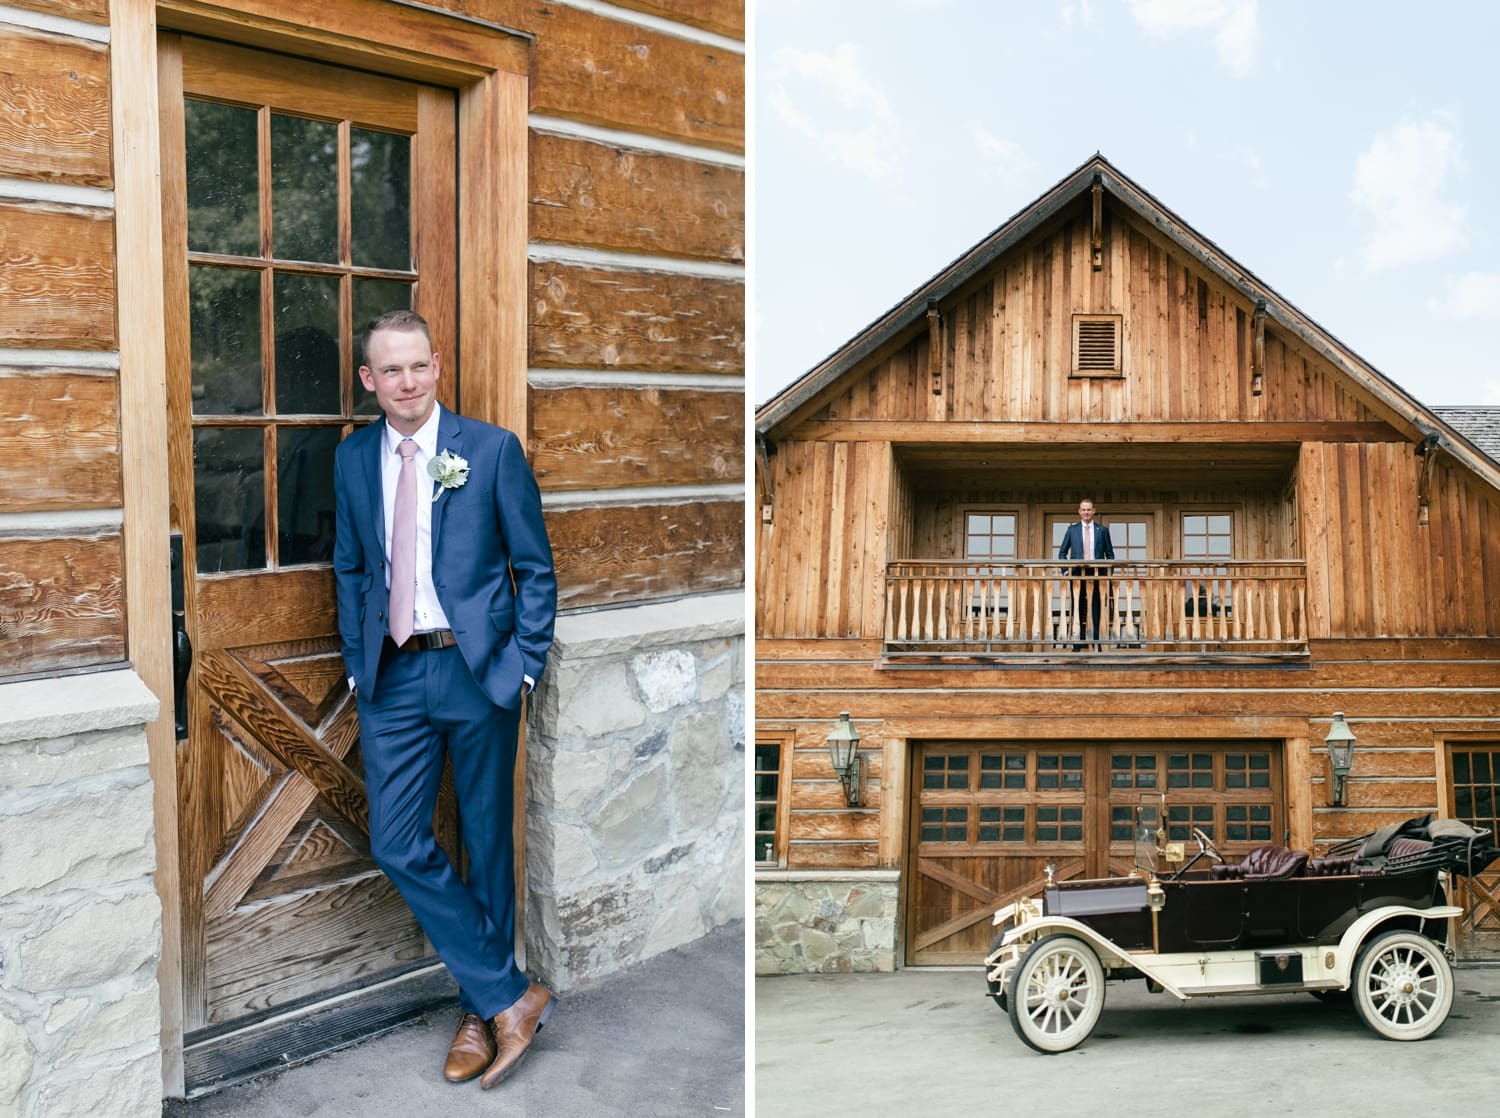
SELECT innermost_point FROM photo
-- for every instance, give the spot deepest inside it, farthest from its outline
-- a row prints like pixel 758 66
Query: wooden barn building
pixel 201 203
pixel 1294 535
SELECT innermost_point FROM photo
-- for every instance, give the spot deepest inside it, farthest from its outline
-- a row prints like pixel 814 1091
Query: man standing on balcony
pixel 1087 540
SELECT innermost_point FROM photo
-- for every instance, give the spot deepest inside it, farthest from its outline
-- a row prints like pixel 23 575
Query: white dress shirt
pixel 429 611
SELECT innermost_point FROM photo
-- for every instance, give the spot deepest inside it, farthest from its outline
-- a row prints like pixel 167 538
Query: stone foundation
pixel 825 921
pixel 80 922
pixel 635 772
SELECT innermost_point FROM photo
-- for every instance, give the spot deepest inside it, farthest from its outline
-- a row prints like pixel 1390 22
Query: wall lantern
pixel 1340 741
pixel 843 752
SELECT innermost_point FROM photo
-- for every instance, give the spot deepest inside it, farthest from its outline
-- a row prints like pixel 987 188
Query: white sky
pixel 1345 152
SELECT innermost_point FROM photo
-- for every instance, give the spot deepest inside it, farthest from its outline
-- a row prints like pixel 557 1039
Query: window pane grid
pixel 767 801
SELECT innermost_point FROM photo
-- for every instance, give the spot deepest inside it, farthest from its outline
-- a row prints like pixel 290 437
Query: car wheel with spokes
pixel 1403 986
pixel 1056 994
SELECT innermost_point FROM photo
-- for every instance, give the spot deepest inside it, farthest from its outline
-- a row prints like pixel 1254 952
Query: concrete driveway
pixel 930 1042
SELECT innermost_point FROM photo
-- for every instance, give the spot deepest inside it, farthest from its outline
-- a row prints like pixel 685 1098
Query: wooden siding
pixel 822 558
pixel 1007 345
pixel 59 440
pixel 626 198
pixel 603 318
pixel 593 194
pixel 57 288
pixel 89 11
pixel 601 438
pixel 62 602
pixel 615 555
pixel 54 108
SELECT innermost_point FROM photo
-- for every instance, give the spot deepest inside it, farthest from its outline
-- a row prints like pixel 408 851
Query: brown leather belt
pixel 425 642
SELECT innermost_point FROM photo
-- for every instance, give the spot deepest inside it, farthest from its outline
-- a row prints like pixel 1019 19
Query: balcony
pixel 1156 611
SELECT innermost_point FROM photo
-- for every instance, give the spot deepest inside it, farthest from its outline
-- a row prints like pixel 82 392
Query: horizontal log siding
pixel 633 553
pixel 88 11
pixel 607 197
pixel 54 108
pixel 1402 698
pixel 57 288
pixel 62 602
pixel 1186 345
pixel 599 438
pixel 59 440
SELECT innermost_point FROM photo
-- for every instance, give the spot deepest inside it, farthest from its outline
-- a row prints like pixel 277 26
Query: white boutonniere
pixel 448 470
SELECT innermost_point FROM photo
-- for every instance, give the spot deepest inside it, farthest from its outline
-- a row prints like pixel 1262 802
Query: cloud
pixel 1402 181
pixel 1080 12
pixel 1471 295
pixel 1234 25
pixel 1004 160
pixel 829 100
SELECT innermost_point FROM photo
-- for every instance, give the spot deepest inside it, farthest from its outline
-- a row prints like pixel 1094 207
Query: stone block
pixel 699 770
pixel 59 761
pixel 734 719
pixel 80 841
pixel 566 781
pixel 715 680
pixel 129 1090
pixel 558 852
pixel 596 699
pixel 634 819
pixel 679 922
pixel 59 706
pixel 130 1021
pixel 99 941
pixel 15 1064
pixel 666 679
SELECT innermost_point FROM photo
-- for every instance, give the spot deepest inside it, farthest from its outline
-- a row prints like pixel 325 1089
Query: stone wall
pixel 825 921
pixel 636 779
pixel 80 922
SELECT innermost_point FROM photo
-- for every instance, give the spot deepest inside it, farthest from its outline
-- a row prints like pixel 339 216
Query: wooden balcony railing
pixel 1171 609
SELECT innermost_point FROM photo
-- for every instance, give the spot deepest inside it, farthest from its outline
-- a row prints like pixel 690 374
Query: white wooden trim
pixel 616 137
pixel 657 23
pixel 614 378
pixel 58 25
pixel 60 522
pixel 633 261
pixel 93 360
pixel 642 495
pixel 31 190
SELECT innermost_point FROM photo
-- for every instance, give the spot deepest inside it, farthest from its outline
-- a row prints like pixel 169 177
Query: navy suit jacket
pixel 1072 545
pixel 491 561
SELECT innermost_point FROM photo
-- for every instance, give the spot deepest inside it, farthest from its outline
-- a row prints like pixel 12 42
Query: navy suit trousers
pixel 427 705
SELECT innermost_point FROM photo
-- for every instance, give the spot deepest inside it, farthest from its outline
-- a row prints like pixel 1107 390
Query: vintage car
pixel 1367 920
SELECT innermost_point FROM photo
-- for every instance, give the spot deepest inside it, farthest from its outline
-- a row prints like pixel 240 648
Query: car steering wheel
pixel 1206 845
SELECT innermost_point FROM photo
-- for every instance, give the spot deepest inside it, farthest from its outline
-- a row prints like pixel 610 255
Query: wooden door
pixel 1474 773
pixel 299 200
pixel 989 817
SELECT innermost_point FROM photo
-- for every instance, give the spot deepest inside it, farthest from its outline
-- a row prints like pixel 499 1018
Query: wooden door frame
pixel 488 67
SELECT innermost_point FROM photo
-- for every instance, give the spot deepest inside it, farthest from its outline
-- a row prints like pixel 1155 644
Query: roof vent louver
pixel 1096 345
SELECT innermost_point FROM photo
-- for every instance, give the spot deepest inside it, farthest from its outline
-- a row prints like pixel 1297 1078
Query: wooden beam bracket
pixel 1096 237
pixel 763 490
pixel 935 346
pixel 1258 351
pixel 1427 451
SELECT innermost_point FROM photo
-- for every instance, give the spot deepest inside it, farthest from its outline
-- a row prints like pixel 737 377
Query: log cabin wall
pixel 636 385
pixel 62 601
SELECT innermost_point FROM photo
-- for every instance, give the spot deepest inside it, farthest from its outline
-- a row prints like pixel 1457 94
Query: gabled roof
pixel 1406 412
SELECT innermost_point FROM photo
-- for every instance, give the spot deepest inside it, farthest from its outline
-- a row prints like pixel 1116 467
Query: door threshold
pixel 224 1055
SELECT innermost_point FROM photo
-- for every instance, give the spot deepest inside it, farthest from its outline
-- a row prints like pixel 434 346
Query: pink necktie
pixel 404 546
pixel 1088 541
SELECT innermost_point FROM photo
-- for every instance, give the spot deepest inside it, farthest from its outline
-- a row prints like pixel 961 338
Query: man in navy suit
pixel 444 672
pixel 1087 540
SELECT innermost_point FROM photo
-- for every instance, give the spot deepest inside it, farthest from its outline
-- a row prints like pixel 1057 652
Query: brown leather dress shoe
pixel 472 1050
pixel 514 1030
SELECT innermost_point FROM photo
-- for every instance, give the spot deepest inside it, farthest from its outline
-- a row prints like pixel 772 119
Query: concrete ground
pixel 663 1038
pixel 932 1042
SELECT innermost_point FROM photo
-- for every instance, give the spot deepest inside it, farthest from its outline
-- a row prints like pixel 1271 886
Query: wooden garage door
pixel 989 817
